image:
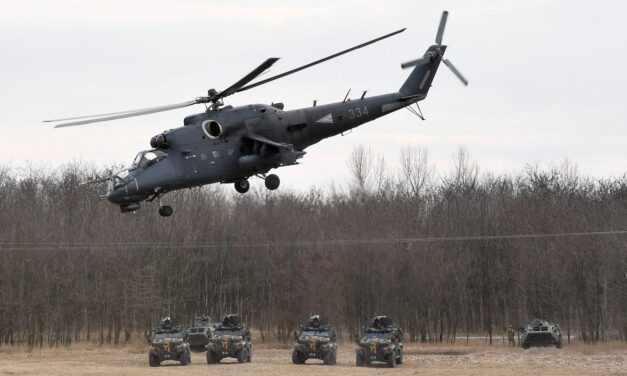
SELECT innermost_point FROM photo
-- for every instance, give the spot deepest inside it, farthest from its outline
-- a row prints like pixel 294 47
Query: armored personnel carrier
pixel 200 332
pixel 540 333
pixel 231 339
pixel 382 341
pixel 317 340
pixel 168 342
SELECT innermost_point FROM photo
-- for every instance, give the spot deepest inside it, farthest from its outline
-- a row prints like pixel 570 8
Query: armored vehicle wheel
pixel 392 360
pixel 211 357
pixel 242 356
pixel 250 356
pixel 525 346
pixel 326 359
pixel 165 211
pixel 272 182
pixel 333 357
pixel 185 358
pixel 359 361
pixel 242 186
pixel 558 344
pixel 297 358
pixel 399 360
pixel 152 360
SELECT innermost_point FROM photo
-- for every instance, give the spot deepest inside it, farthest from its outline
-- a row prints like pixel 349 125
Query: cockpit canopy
pixel 147 158
pixel 144 159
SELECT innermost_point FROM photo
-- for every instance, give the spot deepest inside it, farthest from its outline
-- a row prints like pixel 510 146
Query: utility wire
pixel 34 246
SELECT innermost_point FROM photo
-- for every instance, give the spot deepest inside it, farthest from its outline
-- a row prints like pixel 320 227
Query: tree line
pixel 439 253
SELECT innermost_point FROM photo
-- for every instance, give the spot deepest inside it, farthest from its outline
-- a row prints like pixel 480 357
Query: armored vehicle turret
pixel 231 339
pixel 317 340
pixel 382 341
pixel 168 342
pixel 200 332
pixel 540 333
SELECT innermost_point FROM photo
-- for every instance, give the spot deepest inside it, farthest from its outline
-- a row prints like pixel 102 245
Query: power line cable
pixel 35 246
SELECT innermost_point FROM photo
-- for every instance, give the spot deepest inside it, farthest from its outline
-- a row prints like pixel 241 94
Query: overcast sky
pixel 547 78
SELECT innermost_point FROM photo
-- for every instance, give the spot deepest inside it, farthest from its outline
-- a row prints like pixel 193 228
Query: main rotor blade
pixel 438 37
pixel 455 71
pixel 102 115
pixel 246 79
pixel 317 62
pixel 127 114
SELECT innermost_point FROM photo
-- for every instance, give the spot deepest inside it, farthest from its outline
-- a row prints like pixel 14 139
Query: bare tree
pixel 416 169
pixel 361 164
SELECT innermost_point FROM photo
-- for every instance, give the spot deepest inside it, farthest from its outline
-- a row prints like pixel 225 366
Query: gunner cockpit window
pixel 147 158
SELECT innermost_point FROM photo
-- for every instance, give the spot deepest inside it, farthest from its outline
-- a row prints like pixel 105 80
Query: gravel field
pixel 605 359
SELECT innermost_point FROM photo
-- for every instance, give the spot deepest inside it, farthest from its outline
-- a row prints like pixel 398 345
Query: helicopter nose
pixel 116 196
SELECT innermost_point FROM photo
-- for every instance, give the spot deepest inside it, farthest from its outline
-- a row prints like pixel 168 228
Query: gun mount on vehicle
pixel 168 342
pixel 317 340
pixel 540 333
pixel 200 332
pixel 382 341
pixel 231 339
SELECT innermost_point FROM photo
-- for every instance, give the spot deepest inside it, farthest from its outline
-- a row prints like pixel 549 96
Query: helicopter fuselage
pixel 248 140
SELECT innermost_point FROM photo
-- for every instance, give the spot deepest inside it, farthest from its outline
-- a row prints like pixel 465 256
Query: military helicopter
pixel 227 144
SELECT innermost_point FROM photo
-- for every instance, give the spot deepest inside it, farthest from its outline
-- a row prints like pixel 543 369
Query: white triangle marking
pixel 328 119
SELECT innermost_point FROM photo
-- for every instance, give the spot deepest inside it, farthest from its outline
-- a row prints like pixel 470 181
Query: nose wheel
pixel 272 182
pixel 165 211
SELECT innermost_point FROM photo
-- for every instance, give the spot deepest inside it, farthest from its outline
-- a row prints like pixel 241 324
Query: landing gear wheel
pixel 272 182
pixel 392 360
pixel 242 186
pixel 165 211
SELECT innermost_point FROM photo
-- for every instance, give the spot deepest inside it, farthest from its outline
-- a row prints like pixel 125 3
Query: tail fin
pixel 419 81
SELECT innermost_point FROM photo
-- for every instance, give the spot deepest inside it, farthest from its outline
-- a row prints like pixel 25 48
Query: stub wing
pixel 264 140
pixel 283 153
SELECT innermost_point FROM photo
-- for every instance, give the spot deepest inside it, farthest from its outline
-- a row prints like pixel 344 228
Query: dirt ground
pixel 577 359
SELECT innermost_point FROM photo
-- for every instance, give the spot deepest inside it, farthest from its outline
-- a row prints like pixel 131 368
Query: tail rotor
pixel 450 66
pixel 437 53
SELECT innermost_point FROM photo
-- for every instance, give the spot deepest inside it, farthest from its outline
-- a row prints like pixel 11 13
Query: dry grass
pixel 273 359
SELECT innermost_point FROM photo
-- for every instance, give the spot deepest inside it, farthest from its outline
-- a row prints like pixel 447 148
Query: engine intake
pixel 212 129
